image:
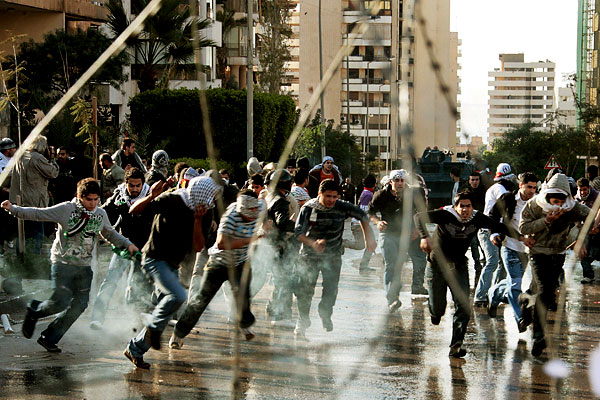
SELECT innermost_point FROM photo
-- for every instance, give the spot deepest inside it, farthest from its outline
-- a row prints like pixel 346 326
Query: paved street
pixel 369 355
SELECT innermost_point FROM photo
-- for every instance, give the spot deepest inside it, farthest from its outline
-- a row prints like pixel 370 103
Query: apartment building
pixel 566 110
pixel 520 92
pixel 359 97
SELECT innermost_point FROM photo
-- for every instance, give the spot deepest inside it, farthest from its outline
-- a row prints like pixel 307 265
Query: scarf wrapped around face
pixel 123 196
pixel 201 191
pixel 557 184
pixel 247 206
pixel 160 162
pixel 82 220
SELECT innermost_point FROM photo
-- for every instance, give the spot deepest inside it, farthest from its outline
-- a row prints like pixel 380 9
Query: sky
pixel 541 29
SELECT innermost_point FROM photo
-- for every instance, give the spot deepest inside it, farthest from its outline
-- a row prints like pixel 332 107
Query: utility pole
pixel 321 79
pixel 95 136
pixel 250 85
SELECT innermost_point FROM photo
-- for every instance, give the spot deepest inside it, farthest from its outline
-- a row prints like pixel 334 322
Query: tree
pixel 273 50
pixel 342 147
pixel 165 44
pixel 526 148
pixel 59 61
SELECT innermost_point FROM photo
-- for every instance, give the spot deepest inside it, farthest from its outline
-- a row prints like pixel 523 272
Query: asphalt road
pixel 368 355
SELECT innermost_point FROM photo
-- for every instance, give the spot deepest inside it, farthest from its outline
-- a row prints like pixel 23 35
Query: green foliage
pixel 55 64
pixel 528 149
pixel 173 119
pixel 82 113
pixel 273 50
pixel 165 44
pixel 200 163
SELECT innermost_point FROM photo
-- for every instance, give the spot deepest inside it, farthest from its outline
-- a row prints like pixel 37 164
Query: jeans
pixel 213 278
pixel 284 282
pixel 545 270
pixel 137 290
pixel 440 277
pixel 71 285
pixel 515 264
pixel 593 251
pixel 171 296
pixel 359 244
pixel 492 257
pixel 393 271
pixel 308 273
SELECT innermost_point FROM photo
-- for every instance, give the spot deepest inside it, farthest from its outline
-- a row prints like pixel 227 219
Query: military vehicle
pixel 434 166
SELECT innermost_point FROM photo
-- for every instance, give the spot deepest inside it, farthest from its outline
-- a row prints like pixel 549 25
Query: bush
pixel 174 120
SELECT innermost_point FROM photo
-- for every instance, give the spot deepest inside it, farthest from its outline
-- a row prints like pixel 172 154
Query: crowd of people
pixel 179 237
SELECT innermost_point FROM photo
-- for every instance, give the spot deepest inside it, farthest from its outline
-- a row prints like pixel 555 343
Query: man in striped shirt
pixel 230 250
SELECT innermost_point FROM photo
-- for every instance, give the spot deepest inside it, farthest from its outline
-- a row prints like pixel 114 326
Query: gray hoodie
pixel 76 249
pixel 551 238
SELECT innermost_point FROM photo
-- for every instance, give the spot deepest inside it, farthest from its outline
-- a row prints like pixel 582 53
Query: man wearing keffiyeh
pixel 79 224
pixel 137 229
pixel 176 229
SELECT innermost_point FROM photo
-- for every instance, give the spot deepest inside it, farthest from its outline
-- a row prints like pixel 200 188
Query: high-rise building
pixel 520 92
pixel 359 97
pixel 588 44
pixel 566 111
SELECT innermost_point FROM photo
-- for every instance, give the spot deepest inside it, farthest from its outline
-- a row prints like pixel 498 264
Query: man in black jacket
pixel 478 188
pixel 389 202
pixel 447 265
pixel 137 229
pixel 287 249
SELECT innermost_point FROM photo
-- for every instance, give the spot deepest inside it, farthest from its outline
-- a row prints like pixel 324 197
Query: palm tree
pixel 165 42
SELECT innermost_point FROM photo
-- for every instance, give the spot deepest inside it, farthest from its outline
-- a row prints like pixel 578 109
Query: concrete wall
pixel 331 14
pixel 34 24
pixel 434 125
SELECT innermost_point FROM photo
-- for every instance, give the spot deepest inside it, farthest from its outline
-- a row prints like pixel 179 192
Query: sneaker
pixel 480 303
pixel 248 333
pixel 435 320
pixel 587 280
pixel 538 347
pixel 457 351
pixel 30 319
pixel 327 323
pixel 175 342
pixel 393 307
pixel 96 325
pixel 522 325
pixel 137 361
pixel 419 291
pixel 366 270
pixel 154 338
pixel 492 310
pixel 283 324
pixel 48 345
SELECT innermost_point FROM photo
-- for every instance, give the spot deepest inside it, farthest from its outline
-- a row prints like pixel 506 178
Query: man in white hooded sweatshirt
pixel 547 218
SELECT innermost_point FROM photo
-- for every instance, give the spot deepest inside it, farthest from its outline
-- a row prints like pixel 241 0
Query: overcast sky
pixel 542 29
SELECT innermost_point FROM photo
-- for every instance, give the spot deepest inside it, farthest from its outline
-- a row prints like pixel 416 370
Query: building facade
pixel 520 92
pixel 359 97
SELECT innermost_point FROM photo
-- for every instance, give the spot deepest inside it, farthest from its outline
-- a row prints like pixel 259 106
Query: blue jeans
pixel 135 283
pixel 171 296
pixel 393 270
pixel 71 285
pixel 514 263
pixel 492 257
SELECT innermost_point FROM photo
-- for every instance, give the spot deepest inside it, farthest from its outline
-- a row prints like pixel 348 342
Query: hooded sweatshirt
pixel 551 238
pixel 73 246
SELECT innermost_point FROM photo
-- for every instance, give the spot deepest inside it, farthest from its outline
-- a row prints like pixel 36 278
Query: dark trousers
pixel 308 273
pixel 71 285
pixel 212 279
pixel 443 276
pixel 546 270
